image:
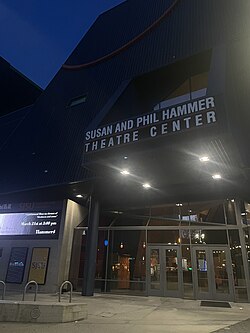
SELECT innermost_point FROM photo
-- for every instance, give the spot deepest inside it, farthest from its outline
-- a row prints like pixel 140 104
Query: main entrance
pixel 211 272
pixel 164 274
pixel 213 276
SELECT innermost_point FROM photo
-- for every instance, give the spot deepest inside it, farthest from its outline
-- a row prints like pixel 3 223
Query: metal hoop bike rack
pixel 26 286
pixel 60 290
pixel 4 289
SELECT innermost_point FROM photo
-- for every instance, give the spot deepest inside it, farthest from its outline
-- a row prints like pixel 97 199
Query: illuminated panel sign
pixel 174 119
pixel 38 265
pixel 43 224
pixel 16 265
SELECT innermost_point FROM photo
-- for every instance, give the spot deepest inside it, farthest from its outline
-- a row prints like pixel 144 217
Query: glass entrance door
pixel 212 273
pixel 164 271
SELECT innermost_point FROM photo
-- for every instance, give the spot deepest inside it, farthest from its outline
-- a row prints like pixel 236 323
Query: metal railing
pixel 26 286
pixel 4 289
pixel 60 290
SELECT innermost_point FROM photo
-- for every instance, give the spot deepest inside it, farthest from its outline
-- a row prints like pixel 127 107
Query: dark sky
pixel 37 36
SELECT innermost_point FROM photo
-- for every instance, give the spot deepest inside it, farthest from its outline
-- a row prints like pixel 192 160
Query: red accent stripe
pixel 125 46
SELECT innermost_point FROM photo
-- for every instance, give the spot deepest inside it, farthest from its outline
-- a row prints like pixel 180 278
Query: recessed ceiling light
pixel 216 176
pixel 125 157
pixel 79 196
pixel 204 158
pixel 146 185
pixel 125 172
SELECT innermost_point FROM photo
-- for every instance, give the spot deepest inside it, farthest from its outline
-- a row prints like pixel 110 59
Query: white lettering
pixel 103 143
pixel 153 131
pixel 198 120
pixel 210 102
pixel 187 122
pixel 211 117
pixel 135 136
pixel 202 104
pixel 164 128
pixel 176 125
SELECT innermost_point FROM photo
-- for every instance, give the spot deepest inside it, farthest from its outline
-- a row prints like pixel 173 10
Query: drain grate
pixel 216 304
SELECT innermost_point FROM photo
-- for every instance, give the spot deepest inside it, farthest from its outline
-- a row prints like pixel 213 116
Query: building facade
pixel 131 173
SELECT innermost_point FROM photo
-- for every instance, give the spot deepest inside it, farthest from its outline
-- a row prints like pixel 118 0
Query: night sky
pixel 38 36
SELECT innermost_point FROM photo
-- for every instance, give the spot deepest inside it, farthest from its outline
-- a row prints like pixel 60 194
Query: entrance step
pixel 42 312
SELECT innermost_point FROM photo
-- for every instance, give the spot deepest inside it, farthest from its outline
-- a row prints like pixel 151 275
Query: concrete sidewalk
pixel 119 313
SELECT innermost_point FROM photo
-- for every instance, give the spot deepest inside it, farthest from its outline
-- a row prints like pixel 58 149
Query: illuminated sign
pixel 38 265
pixel 16 265
pixel 174 119
pixel 42 224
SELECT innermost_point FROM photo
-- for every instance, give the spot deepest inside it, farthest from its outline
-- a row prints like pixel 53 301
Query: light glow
pixel 146 185
pixel 125 172
pixel 204 158
pixel 216 176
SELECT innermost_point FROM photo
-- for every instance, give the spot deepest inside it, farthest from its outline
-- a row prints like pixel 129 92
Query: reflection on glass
pixel 154 269
pixel 206 212
pixel 201 261
pixel 171 269
pixel 187 272
pixel 170 237
pixel 220 271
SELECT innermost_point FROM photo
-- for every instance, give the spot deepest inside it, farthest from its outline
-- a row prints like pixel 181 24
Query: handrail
pixel 4 289
pixel 26 286
pixel 60 290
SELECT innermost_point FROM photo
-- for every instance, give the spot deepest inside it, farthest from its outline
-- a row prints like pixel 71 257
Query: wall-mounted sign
pixel 39 264
pixel 174 119
pixel 43 224
pixel 16 265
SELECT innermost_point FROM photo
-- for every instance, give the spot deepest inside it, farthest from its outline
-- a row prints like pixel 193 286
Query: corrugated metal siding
pixel 51 138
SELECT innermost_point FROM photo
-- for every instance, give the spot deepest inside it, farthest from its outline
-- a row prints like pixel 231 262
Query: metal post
pixel 91 248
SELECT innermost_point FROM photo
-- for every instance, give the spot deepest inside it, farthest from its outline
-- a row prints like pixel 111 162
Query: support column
pixel 243 247
pixel 91 248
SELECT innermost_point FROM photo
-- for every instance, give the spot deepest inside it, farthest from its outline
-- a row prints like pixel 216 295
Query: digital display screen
pixel 37 224
pixel 16 265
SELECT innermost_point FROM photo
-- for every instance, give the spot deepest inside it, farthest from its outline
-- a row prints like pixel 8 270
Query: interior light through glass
pixel 216 176
pixel 204 158
pixel 125 172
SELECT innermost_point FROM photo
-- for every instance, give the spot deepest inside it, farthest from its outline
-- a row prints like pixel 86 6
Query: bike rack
pixel 26 286
pixel 4 289
pixel 60 291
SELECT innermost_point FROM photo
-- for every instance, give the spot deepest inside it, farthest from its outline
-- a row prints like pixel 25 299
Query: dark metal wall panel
pixel 51 138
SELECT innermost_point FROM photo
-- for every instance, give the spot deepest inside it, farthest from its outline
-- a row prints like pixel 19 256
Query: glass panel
pixel 185 236
pixel 209 237
pixel 230 212
pixel 163 222
pixel 237 265
pixel 236 255
pixel 167 211
pixel 204 212
pixel 127 259
pixel 127 220
pixel 171 269
pixel 155 269
pixel 201 261
pixel 220 271
pixel 247 210
pixel 187 272
pixel 170 237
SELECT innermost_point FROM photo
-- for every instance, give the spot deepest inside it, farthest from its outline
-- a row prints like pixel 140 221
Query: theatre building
pixel 131 171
